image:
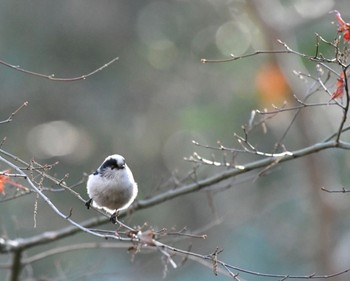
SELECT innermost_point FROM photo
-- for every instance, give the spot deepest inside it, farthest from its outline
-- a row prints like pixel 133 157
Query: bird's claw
pixel 113 218
pixel 88 203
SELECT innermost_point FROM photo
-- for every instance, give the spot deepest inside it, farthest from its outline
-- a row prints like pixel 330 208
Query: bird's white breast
pixel 115 190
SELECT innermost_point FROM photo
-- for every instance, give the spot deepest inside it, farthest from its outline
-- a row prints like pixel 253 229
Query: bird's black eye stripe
pixel 112 163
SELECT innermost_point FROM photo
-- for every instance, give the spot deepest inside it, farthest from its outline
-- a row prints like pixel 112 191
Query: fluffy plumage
pixel 112 187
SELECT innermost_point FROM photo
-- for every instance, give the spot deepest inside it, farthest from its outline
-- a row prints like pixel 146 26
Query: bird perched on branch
pixel 112 187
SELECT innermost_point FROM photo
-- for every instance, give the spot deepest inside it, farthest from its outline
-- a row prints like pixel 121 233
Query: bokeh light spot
pixel 233 37
pixel 57 138
pixel 313 8
pixel 162 54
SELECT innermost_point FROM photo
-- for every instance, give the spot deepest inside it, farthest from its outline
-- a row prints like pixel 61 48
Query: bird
pixel 112 186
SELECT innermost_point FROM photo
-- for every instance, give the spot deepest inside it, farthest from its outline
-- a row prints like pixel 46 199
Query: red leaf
pixel 339 92
pixel 340 20
pixel 343 26
pixel 346 35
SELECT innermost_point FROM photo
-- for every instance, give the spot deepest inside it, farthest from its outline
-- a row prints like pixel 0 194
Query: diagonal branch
pixel 200 184
pixel 21 244
pixel 9 119
pixel 157 199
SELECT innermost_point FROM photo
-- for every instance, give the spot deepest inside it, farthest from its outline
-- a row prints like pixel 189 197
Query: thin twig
pixel 287 50
pixel 343 190
pixel 52 76
pixel 9 119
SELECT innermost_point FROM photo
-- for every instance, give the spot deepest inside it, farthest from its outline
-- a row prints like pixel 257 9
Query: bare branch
pixel 237 170
pixel 52 76
pixel 287 50
pixel 9 119
pixel 48 201
pixel 234 58
pixel 343 190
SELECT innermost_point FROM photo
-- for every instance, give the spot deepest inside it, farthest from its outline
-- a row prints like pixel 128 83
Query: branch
pixel 7 246
pixel 52 76
pixel 234 58
pixel 15 266
pixel 155 200
pixel 18 245
pixel 48 201
pixel 73 247
pixel 239 169
pixel 294 108
pixel 211 261
pixel 343 190
pixel 9 119
pixel 287 50
pixel 207 260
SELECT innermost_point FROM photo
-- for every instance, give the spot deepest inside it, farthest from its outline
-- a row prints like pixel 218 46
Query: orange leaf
pixel 3 180
pixel 271 85
pixel 339 92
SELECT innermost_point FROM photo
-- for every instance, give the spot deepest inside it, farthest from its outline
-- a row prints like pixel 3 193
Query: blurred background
pixel 151 104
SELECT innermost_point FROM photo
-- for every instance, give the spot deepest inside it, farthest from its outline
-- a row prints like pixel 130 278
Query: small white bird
pixel 112 187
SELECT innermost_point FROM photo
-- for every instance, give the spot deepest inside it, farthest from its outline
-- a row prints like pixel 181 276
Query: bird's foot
pixel 88 203
pixel 114 218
